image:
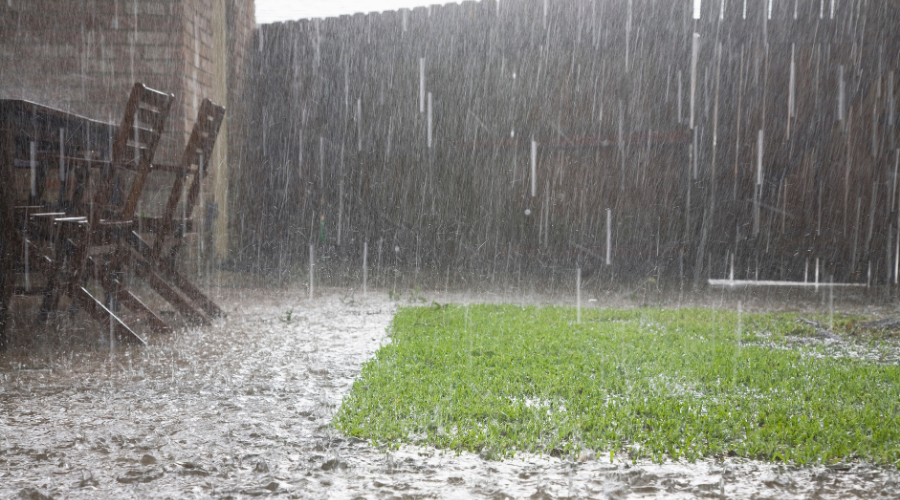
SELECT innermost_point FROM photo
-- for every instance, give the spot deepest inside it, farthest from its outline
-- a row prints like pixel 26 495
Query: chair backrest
pixel 203 136
pixel 133 148
pixel 141 127
pixel 199 147
pixel 194 160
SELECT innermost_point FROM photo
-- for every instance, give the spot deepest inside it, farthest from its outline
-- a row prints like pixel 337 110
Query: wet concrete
pixel 242 409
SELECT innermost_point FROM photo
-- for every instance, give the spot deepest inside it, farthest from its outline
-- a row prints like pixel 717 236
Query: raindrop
pixel 608 236
pixel 533 167
pixel 695 54
pixel 840 103
pixel 817 274
pixel 738 333
pixel 694 153
pixel 429 119
pixel 578 293
pixel 112 337
pixel 894 195
pixel 547 214
pixel 359 124
pixel 891 104
pixel 627 35
pixel 759 158
pixel 831 303
pixel 757 195
pixel 791 98
pixel 340 196
pixel 32 163
pixel 321 164
pixel 421 85
pixel 731 270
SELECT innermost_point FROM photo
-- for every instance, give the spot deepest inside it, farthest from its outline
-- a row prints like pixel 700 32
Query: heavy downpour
pixel 492 249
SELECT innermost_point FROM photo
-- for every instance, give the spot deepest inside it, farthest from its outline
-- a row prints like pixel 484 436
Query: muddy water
pixel 242 409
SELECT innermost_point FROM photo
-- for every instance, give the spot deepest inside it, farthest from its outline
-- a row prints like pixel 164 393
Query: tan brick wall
pixel 85 55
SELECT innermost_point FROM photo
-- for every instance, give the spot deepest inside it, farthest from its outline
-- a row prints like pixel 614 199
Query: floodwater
pixel 242 408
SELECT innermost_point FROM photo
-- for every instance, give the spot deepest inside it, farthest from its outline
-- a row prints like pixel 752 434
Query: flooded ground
pixel 242 408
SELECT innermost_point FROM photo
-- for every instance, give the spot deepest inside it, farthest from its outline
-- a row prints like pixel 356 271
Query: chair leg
pixel 115 290
pixel 131 301
pixel 50 301
pixel 103 315
pixel 165 229
pixel 159 285
pixel 195 294
pixel 89 303
pixel 51 294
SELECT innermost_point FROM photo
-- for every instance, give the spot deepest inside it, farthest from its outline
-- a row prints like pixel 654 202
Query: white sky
pixel 270 11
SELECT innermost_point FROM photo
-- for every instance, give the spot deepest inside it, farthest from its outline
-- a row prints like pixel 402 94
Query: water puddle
pixel 242 409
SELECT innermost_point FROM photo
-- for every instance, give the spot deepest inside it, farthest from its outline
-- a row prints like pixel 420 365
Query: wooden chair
pixel 93 244
pixel 169 231
pixel 133 149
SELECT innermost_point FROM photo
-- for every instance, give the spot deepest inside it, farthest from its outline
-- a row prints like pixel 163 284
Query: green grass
pixel 678 384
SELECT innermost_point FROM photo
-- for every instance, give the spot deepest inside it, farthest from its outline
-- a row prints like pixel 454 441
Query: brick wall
pixel 84 56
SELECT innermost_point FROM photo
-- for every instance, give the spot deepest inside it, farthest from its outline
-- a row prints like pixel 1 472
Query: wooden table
pixel 38 148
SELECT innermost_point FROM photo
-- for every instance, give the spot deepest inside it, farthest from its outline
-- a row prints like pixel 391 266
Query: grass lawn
pixel 678 384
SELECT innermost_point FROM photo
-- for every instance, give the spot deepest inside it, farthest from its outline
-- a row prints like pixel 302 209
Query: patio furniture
pixel 169 232
pixel 112 216
pixel 34 139
pixel 71 242
pixel 67 239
